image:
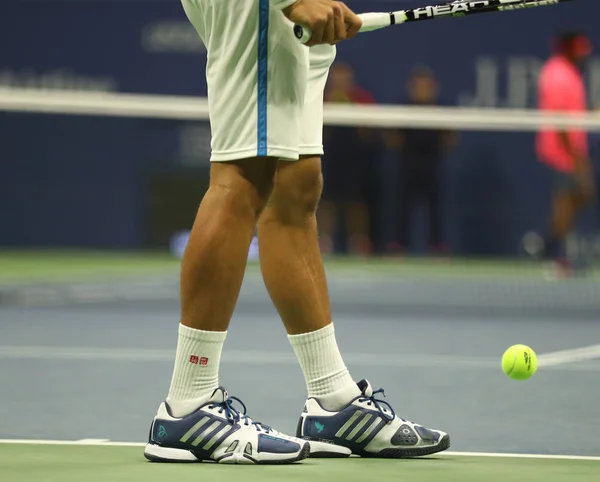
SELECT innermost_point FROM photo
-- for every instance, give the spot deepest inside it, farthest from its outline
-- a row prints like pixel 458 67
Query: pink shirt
pixel 561 88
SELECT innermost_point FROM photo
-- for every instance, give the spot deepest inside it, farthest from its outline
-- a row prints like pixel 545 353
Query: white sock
pixel 326 375
pixel 196 372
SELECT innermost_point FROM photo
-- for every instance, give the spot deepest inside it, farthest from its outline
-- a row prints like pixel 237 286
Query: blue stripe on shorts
pixel 263 64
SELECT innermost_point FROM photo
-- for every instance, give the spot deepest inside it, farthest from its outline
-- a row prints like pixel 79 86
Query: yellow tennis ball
pixel 519 362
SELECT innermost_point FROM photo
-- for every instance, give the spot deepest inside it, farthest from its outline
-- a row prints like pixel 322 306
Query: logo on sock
pixel 194 359
pixel 203 361
pixel 319 427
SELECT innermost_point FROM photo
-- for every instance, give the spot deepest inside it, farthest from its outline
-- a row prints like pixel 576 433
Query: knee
pixel 305 194
pixel 243 188
pixel 297 190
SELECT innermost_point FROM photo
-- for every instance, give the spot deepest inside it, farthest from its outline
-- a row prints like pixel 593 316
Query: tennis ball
pixel 519 362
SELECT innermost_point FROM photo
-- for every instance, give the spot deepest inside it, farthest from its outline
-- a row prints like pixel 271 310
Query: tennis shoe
pixel 368 427
pixel 219 432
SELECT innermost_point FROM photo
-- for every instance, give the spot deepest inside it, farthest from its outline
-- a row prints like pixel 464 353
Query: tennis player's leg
pixel 289 252
pixel 198 420
pixel 295 278
pixel 567 203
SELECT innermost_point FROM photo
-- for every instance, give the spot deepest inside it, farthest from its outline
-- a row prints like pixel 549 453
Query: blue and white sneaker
pixel 367 427
pixel 219 432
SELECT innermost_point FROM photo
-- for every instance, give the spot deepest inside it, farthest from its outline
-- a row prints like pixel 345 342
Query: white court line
pixel 555 360
pixel 519 456
pixel 92 442
pixel 107 443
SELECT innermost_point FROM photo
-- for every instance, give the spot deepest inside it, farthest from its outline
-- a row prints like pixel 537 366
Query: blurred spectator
pixel 565 152
pixel 420 153
pixel 350 167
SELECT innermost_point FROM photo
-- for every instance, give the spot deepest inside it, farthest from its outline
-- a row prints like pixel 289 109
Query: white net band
pixel 383 116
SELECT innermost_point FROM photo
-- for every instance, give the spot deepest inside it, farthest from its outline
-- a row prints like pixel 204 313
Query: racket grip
pixel 302 33
pixel 370 21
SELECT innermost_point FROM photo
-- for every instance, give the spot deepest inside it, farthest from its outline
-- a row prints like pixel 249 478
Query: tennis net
pixel 123 172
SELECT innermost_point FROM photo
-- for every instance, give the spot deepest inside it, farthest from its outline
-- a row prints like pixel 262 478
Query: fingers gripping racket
pixel 375 21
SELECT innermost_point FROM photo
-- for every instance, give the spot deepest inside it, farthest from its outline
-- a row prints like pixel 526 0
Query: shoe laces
pixel 238 416
pixel 381 405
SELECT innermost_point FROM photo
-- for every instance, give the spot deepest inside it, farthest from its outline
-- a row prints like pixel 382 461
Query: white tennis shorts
pixel 265 89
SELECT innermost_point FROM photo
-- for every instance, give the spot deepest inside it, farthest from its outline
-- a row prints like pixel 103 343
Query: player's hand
pixel 329 21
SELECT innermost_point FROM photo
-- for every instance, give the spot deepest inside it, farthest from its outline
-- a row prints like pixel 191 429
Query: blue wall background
pixel 80 181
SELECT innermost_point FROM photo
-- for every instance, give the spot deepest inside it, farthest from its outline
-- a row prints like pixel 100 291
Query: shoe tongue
pixel 365 388
pixel 219 395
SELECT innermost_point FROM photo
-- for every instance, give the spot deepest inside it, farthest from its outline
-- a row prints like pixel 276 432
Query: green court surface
pixel 97 463
pixel 66 266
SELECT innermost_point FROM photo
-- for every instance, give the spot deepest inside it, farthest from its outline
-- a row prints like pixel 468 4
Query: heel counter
pixel 151 432
pixel 300 426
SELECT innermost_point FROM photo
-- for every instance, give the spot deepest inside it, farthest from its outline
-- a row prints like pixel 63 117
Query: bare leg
pixel 564 213
pixel 289 251
pixel 295 278
pixel 211 275
pixel 215 259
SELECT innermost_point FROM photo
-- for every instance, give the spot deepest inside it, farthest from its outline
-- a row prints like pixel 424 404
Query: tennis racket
pixel 377 20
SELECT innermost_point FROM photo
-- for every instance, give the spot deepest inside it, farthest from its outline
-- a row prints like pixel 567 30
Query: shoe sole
pixel 405 453
pixel 324 450
pixel 304 454
pixel 327 450
pixel 156 453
